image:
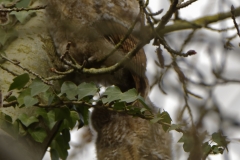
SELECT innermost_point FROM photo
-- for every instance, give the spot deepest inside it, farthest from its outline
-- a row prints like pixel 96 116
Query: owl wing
pixel 114 32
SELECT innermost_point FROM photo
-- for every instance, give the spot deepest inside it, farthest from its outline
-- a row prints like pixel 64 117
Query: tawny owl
pixel 94 27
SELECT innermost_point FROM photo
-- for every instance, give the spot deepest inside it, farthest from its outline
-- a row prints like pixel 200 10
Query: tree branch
pixel 200 22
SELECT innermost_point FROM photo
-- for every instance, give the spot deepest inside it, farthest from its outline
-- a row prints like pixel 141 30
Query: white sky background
pixel 226 95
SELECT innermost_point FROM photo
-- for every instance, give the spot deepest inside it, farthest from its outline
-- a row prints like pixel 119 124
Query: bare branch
pixel 179 6
pixel 203 21
pixel 234 20
pixel 22 9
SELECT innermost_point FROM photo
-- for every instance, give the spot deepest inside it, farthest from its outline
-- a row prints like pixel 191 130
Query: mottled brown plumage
pixel 94 27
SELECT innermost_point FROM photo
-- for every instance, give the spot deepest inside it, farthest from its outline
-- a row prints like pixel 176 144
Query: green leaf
pixel 83 110
pixel 129 96
pixel 143 110
pixel 166 119
pixel 26 120
pixel 48 97
pixel 23 3
pixel 113 93
pixel 38 134
pixel 37 87
pixel 23 16
pixel 61 113
pixel 61 146
pixel 70 89
pixel 19 82
pixel 74 118
pixel 11 98
pixel 22 95
pixel 64 125
pixel 66 135
pixel 21 130
pixel 217 149
pixel 119 106
pixel 206 148
pixel 86 89
pixel 220 139
pixel 132 110
pixel 187 142
pixel 155 119
pixel 142 101
pixel 54 154
pixel 51 119
pixel 29 101
pixel 43 113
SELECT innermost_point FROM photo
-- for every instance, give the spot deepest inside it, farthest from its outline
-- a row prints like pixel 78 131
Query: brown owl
pixel 94 27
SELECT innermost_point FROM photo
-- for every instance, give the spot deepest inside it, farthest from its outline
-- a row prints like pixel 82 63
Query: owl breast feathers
pixel 94 27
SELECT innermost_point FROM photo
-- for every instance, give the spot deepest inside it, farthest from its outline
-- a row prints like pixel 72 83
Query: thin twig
pixel 16 63
pixel 234 20
pixel 22 9
pixel 182 5
pixel 11 72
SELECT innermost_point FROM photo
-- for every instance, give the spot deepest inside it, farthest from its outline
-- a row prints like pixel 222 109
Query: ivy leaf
pixel 166 119
pixel 29 101
pixel 66 136
pixel 84 112
pixel 23 16
pixel 48 117
pixel 22 95
pixel 37 87
pixel 70 89
pixel 142 101
pixel 206 148
pixel 143 110
pixel 113 93
pixel 21 130
pixel 220 139
pixel 43 113
pixel 61 113
pixel 119 106
pixel 19 82
pixel 86 89
pixel 129 96
pixel 155 119
pixel 187 142
pixel 60 145
pixel 54 154
pixel 48 97
pixel 26 120
pixel 23 3
pixel 132 110
pixel 72 120
pixel 217 149
pixel 38 134
pixel 51 119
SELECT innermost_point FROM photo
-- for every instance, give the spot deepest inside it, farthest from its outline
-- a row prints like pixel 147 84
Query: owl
pixel 94 27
